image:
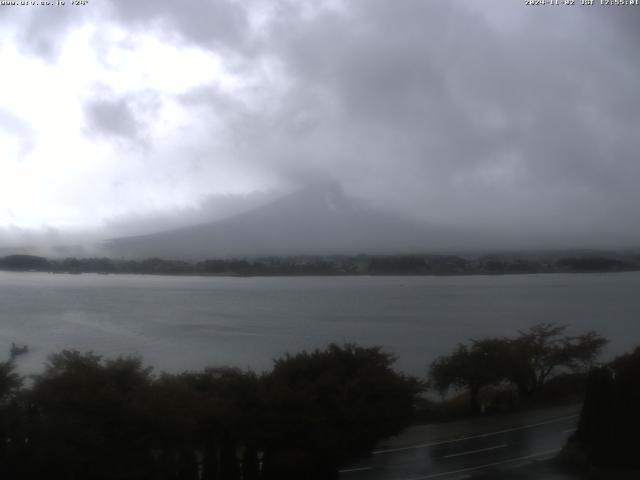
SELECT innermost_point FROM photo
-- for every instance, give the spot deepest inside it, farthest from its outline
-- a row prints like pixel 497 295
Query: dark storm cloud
pixel 112 118
pixel 41 29
pixel 211 24
pixel 515 120
pixel 121 117
pixel 433 109
pixel 427 106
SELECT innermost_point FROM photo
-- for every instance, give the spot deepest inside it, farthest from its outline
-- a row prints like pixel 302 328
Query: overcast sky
pixel 470 112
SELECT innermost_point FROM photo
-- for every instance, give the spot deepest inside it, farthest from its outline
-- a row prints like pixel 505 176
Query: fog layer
pixel 513 122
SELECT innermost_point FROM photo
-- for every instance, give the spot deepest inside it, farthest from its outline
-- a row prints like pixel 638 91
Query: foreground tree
pixel 526 361
pixel 540 352
pixel 471 368
pixel 89 419
pixel 610 418
pixel 11 427
pixel 10 381
pixel 326 407
pixel 226 406
pixel 86 417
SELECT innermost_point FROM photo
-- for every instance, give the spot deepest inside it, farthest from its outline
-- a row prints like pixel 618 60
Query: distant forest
pixel 498 264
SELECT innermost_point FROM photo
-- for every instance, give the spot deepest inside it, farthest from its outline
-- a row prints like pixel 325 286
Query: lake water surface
pixel 179 323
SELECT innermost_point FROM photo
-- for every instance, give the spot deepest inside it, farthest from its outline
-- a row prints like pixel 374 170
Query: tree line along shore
pixel 85 416
pixel 497 264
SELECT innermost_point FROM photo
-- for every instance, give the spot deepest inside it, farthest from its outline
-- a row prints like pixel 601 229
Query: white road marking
pixel 569 430
pixel 486 465
pixel 484 435
pixel 356 469
pixel 470 452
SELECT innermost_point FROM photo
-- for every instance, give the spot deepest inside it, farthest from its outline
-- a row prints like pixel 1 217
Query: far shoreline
pixel 317 275
pixel 338 265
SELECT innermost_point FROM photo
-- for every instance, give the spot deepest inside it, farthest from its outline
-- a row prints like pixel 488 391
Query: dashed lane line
pixel 355 469
pixel 486 465
pixel 484 435
pixel 471 452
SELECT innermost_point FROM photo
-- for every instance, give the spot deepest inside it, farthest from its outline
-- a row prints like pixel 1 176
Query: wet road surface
pixel 468 449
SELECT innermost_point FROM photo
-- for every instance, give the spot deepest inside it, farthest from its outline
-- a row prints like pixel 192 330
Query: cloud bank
pixel 509 119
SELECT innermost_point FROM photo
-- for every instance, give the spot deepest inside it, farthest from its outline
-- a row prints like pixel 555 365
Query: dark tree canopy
pixel 473 367
pixel 10 381
pixel 526 361
pixel 89 417
pixel 542 350
pixel 610 418
pixel 337 403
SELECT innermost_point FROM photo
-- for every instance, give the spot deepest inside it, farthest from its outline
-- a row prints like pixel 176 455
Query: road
pixel 483 447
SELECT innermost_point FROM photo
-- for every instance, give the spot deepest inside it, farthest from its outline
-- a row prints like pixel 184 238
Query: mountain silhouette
pixel 317 220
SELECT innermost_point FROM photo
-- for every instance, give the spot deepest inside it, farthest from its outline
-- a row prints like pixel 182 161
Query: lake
pixel 178 323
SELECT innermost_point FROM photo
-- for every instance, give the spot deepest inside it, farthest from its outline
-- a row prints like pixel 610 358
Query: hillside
pixel 317 220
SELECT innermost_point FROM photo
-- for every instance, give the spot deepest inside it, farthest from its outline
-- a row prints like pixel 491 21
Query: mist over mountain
pixel 441 112
pixel 317 220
